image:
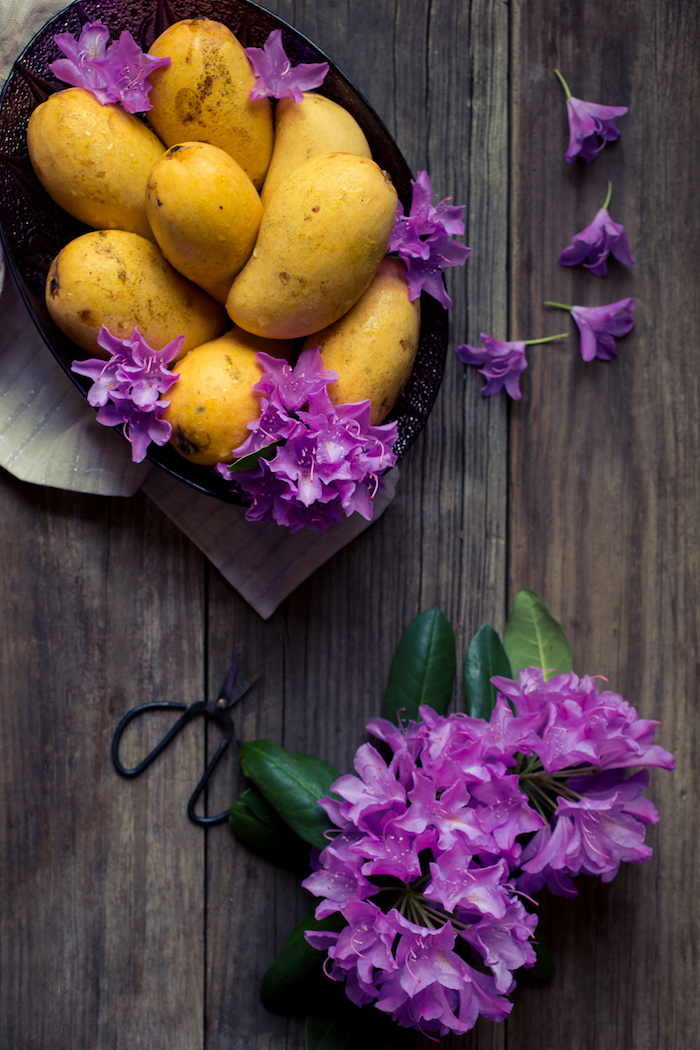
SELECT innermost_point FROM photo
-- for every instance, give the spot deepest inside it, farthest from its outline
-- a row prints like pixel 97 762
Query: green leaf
pixel 295 980
pixel 292 784
pixel 257 824
pixel 544 969
pixel 423 668
pixel 485 658
pixel 251 460
pixel 325 1033
pixel 533 638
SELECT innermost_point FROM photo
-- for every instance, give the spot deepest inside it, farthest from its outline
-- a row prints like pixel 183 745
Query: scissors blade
pixel 228 696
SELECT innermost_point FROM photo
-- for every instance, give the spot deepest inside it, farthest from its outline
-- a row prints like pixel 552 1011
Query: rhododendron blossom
pixel 277 77
pixel 422 240
pixel 436 842
pixel 599 325
pixel 590 125
pixel 132 379
pixel 113 72
pixel 596 242
pixel 329 459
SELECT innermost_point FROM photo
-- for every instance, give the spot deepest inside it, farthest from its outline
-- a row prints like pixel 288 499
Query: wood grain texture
pixel 102 924
pixel 604 481
pixel 437 76
pixel 123 926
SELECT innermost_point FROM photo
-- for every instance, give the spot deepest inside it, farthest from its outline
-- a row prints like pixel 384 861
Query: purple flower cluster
pixel 112 72
pixel 422 240
pixel 277 78
pixel 132 380
pixel 330 458
pixel 427 863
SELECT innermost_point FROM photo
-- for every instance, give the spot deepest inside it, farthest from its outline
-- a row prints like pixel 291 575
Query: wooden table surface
pixel 123 925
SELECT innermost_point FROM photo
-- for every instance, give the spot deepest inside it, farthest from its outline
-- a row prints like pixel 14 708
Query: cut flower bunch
pixel 427 857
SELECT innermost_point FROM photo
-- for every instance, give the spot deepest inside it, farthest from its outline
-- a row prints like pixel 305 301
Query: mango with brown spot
pixel 202 96
pixel 120 280
pixel 213 401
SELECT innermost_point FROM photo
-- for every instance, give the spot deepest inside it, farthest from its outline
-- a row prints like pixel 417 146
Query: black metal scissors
pixel 215 709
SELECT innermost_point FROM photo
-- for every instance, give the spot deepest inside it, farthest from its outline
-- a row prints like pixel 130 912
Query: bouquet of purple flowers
pixel 427 856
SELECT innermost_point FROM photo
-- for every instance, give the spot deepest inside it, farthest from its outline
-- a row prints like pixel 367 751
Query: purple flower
pixel 330 459
pixel 439 835
pixel 413 837
pixel 602 238
pixel 590 125
pixel 421 239
pixel 132 379
pixel 112 72
pixel 599 324
pixel 503 364
pixel 277 78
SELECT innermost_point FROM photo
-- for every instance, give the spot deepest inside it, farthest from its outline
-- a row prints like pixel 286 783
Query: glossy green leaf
pixel 251 460
pixel 423 668
pixel 485 658
pixel 533 638
pixel 295 981
pixel 544 969
pixel 257 824
pixel 326 1033
pixel 292 784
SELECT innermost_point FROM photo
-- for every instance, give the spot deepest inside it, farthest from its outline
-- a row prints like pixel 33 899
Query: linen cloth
pixel 49 436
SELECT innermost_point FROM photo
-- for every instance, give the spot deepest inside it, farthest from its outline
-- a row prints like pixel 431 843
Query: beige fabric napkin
pixel 48 434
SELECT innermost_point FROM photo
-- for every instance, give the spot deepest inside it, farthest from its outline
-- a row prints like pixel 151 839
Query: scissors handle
pixel 222 717
pixel 152 705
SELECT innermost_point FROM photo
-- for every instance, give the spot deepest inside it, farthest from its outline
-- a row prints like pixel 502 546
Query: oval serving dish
pixel 34 229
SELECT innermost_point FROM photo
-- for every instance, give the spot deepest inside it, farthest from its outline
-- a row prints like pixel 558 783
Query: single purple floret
pixel 277 78
pixel 421 239
pixel 590 127
pixel 593 245
pixel 113 72
pixel 132 379
pixel 503 364
pixel 599 325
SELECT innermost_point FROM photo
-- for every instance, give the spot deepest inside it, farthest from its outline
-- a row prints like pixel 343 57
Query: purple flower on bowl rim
pixel 277 77
pixel 112 72
pixel 126 388
pixel 422 240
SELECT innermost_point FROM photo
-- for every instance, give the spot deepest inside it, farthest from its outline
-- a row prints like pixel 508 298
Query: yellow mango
pixel 373 347
pixel 304 130
pixel 93 160
pixel 202 96
pixel 213 400
pixel 121 280
pixel 205 213
pixel 320 241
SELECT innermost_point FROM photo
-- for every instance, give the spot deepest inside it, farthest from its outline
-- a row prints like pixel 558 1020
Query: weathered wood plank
pixel 102 941
pixel 437 75
pixel 604 494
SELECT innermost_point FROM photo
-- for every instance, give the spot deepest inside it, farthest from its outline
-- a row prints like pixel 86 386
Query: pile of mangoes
pixel 226 213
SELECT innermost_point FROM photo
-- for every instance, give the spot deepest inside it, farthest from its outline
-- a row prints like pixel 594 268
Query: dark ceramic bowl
pixel 34 228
